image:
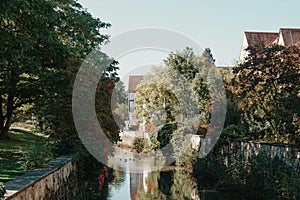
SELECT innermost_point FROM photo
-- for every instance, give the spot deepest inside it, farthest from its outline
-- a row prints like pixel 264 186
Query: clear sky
pixel 218 25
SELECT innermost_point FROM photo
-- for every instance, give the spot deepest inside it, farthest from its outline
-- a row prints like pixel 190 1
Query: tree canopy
pixel 267 86
pixel 43 43
pixel 177 97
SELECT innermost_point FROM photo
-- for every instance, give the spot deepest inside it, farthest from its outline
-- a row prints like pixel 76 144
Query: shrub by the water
pixel 139 144
pixel 2 190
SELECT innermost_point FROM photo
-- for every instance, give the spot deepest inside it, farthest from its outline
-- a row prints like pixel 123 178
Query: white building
pixel 132 85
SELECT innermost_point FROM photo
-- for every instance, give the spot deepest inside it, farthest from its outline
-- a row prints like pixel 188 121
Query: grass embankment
pixel 25 150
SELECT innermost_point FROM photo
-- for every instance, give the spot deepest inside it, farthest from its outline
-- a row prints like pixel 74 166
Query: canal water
pixel 174 184
pixel 137 181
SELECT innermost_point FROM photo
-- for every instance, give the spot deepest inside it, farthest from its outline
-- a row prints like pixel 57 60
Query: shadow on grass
pixel 24 151
pixel 20 130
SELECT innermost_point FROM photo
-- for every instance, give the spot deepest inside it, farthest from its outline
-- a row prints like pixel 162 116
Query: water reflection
pixel 160 185
pixel 172 184
pixel 175 184
pixel 145 184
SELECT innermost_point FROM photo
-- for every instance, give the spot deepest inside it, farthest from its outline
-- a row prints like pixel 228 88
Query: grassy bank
pixel 25 150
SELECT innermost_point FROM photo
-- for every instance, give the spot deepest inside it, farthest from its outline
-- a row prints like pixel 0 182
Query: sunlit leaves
pixel 267 85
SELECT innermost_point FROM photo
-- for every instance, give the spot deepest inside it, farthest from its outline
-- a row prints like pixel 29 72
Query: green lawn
pixel 24 151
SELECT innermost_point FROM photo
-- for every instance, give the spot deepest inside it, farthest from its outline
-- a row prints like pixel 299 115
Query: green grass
pixel 25 150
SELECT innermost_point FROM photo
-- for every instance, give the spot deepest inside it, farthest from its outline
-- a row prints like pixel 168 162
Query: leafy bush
pixel 233 132
pixel 36 157
pixel 264 178
pixel 258 177
pixel 2 190
pixel 139 144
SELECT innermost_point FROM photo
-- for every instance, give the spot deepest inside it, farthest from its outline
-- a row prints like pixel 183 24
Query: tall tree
pixel 30 50
pixel 178 96
pixel 198 72
pixel 208 56
pixel 267 86
pixel 40 41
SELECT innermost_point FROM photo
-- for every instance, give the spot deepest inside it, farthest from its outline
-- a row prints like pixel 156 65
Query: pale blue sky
pixel 211 23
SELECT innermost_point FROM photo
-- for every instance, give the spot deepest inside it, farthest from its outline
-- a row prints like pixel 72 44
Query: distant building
pixel 256 38
pixel 289 37
pixel 133 82
pixel 285 37
pixel 224 69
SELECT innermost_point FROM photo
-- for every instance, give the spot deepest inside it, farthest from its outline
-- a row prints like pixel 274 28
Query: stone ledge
pixel 14 187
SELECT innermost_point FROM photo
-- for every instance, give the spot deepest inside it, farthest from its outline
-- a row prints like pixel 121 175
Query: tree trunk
pixel 4 128
pixel 4 135
pixel 5 121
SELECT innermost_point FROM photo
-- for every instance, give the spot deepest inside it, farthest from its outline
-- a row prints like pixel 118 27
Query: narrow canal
pixel 174 184
pixel 137 181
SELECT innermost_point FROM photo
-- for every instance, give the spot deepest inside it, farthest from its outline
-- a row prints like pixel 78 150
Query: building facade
pixel 133 82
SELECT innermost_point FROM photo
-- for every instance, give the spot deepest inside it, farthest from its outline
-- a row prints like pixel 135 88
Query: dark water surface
pixel 132 183
pixel 174 184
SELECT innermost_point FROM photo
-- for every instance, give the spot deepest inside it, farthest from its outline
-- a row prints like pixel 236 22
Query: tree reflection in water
pixel 161 185
pixel 175 184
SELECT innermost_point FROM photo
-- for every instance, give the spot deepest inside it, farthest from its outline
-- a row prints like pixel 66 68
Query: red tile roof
pixel 255 38
pixel 133 83
pixel 291 36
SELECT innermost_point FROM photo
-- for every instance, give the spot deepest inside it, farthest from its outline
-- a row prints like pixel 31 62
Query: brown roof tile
pixel 291 36
pixel 133 83
pixel 255 38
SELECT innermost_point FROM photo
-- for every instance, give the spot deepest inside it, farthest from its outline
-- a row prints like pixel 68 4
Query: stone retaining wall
pixel 58 180
pixel 287 153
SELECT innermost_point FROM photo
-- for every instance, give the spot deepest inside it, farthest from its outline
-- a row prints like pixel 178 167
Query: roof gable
pixel 290 36
pixel 133 83
pixel 256 38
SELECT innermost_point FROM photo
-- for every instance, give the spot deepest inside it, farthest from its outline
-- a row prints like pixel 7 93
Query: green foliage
pixel 2 190
pixel 183 63
pixel 31 52
pixel 155 101
pixel 188 159
pixel 263 178
pixel 35 158
pixel 232 133
pixel 178 90
pixel 169 184
pixel 43 44
pixel 209 170
pixel 233 115
pixel 41 41
pixel 177 97
pixel 165 133
pixel 119 95
pixel 139 144
pixel 104 109
pixel 258 177
pixel 119 104
pixel 201 78
pixel 121 114
pixel 185 156
pixel 184 186
pixel 25 150
pixel 267 88
pixel 207 54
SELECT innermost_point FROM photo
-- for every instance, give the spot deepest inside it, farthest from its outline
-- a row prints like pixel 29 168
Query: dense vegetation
pixel 43 45
pixel 26 150
pixel 258 177
pixel 262 105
